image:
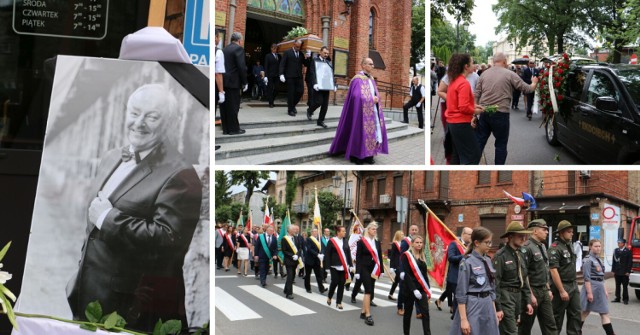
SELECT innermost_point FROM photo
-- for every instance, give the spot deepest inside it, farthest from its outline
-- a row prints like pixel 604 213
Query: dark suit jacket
pixel 271 65
pixel 622 266
pixel 410 282
pixel 300 245
pixel 142 242
pixel 288 252
pixel 311 252
pixel 259 249
pixel 528 73
pixel 310 76
pixel 235 75
pixel 394 256
pixel 365 261
pixel 332 254
pixel 454 256
pixel 291 66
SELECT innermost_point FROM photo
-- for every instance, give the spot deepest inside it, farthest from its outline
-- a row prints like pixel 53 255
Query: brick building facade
pixel 366 28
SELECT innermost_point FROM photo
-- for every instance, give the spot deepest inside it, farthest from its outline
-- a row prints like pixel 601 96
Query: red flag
pixel 516 200
pixel 439 237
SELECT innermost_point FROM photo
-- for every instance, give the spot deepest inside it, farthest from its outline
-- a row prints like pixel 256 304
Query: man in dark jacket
pixel 312 261
pixel 316 96
pixel 266 250
pixel 234 80
pixel 292 259
pixel 271 69
pixel 527 74
pixel 621 268
pixel 291 73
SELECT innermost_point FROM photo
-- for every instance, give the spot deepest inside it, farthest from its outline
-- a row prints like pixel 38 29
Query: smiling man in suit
pixel 141 218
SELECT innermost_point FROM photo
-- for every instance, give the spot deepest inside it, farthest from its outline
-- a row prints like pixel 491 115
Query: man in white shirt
pixel 417 95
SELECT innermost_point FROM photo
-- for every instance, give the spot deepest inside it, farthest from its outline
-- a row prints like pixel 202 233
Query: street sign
pixel 610 217
pixel 594 232
pixel 196 31
pixel 460 217
pixel 595 216
pixel 519 217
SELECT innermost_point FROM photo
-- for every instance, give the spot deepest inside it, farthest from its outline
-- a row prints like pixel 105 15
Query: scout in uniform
pixel 562 266
pixel 594 296
pixel 476 291
pixel 537 263
pixel 512 288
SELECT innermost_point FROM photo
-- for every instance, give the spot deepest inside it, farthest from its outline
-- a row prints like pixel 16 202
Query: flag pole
pixel 319 223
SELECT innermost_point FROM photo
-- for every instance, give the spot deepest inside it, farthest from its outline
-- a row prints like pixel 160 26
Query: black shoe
pixel 347 288
pixel 404 121
pixel 391 297
pixel 368 321
pixel 362 316
pixel 291 114
pixel 373 304
pixel 308 291
pixel 239 132
pixel 321 124
pixel 264 284
pixel 271 105
pixel 615 300
pixel 369 160
pixel 626 302
pixel 295 111
pixel 323 290
pixel 529 116
pixel 289 296
pixel 309 115
pixel 353 300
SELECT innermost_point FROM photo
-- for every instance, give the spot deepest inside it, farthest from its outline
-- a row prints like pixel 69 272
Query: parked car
pixel 600 117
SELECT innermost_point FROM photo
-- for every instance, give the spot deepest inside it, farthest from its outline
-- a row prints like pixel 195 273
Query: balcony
pixel 300 208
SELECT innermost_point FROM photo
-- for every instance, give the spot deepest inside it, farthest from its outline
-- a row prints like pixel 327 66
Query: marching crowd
pixel 499 295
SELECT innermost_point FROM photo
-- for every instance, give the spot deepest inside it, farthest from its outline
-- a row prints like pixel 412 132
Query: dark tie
pixel 268 240
pixel 487 269
pixel 128 155
pixel 296 53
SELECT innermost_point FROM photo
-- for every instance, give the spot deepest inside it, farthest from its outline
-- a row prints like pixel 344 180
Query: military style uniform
pixel 512 289
pixel 561 257
pixel 476 289
pixel 537 263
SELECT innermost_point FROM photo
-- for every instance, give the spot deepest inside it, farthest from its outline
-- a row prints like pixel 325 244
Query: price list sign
pixel 84 19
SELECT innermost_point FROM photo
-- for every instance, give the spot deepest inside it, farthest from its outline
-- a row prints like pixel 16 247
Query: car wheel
pixel 552 133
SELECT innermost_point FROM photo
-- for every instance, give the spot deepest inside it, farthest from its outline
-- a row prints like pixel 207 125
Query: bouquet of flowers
pixel 295 33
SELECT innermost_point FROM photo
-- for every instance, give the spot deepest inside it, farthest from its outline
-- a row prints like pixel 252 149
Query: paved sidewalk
pixel 410 151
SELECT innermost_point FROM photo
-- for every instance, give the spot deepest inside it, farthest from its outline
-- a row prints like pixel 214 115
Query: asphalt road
pixel 527 142
pixel 243 307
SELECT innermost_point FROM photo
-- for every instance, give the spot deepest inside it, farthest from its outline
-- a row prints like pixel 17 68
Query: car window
pixel 601 86
pixel 576 80
pixel 630 78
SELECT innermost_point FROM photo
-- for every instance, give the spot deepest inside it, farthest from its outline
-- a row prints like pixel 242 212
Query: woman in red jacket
pixel 460 111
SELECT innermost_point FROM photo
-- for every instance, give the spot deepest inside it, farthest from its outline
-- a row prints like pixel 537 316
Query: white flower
pixel 4 275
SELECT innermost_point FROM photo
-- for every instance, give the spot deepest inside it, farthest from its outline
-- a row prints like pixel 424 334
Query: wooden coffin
pixel 309 42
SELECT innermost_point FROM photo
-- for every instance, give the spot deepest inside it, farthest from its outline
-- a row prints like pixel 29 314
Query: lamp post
pixel 336 183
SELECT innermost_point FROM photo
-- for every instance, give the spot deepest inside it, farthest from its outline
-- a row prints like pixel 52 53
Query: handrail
pixel 386 88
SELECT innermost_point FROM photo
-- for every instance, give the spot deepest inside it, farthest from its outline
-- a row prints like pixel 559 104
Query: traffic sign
pixel 196 31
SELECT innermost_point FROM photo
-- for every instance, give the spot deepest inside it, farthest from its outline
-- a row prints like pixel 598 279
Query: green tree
pixel 527 21
pixel 444 35
pixel 290 188
pixel 457 8
pixel 231 212
pixel 417 33
pixel 250 180
pixel 612 23
pixel 330 206
pixel 222 192
pixel 631 16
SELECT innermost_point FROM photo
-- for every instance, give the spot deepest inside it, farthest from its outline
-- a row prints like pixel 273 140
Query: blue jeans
pixel 498 124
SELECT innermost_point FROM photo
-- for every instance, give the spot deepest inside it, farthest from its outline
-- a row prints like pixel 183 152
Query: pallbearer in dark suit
pixel 235 82
pixel 368 267
pixel 416 286
pixel 271 70
pixel 317 98
pixel 312 261
pixel 266 250
pixel 291 73
pixel 292 259
pixel 339 258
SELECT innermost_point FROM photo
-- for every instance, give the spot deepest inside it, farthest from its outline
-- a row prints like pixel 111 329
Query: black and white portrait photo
pixel 122 206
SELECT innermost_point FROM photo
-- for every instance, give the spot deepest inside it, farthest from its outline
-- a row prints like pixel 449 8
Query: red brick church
pixel 352 29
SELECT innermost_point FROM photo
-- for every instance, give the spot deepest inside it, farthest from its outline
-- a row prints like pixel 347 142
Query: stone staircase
pixel 289 140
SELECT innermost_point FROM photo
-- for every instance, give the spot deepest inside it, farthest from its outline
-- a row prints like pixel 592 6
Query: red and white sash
pixel 413 264
pixel 374 253
pixel 244 238
pixel 229 241
pixel 397 244
pixel 408 240
pixel 343 257
pixel 221 232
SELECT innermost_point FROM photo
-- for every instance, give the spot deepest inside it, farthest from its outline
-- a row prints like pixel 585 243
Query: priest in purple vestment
pixel 361 131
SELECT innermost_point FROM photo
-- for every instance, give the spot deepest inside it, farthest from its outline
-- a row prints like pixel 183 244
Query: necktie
pixel 269 240
pixel 128 155
pixel 519 269
pixel 296 53
pixel 487 269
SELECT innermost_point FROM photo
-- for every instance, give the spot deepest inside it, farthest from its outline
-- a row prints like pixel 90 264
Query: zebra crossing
pixel 256 298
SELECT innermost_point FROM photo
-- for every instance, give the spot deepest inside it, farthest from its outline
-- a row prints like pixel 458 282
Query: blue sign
pixel 595 216
pixel 196 38
pixel 594 232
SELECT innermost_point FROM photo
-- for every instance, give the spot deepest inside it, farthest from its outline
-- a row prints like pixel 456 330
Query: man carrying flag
pixel 267 215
